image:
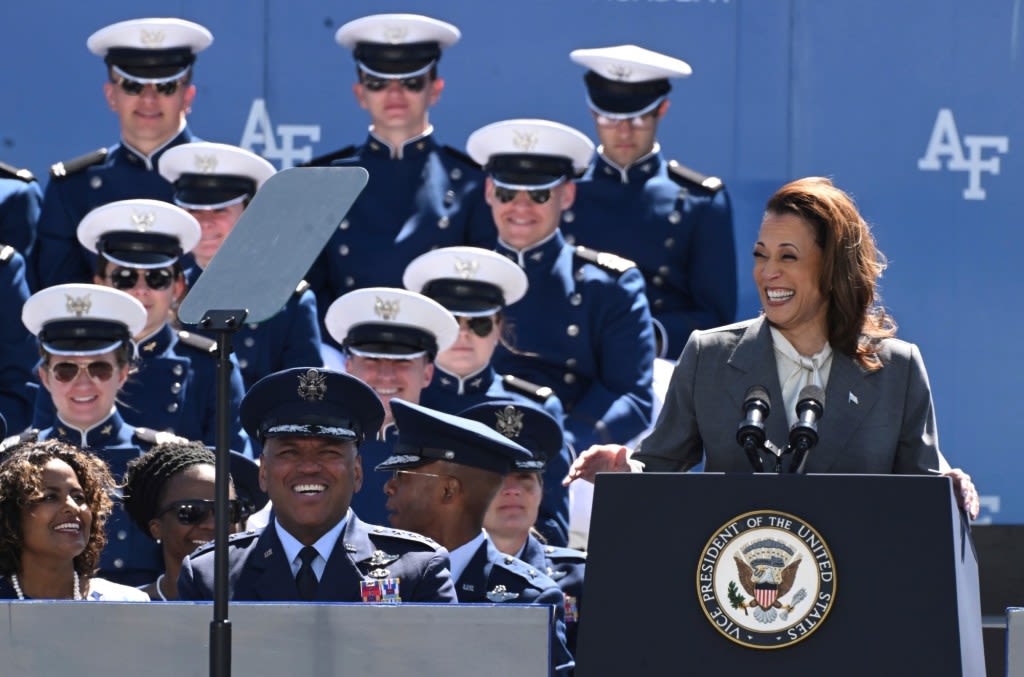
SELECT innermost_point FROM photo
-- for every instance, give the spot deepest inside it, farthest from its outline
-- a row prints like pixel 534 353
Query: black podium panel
pixel 905 596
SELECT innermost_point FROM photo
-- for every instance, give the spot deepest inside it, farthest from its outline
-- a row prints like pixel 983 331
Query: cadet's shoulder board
pixel 606 260
pixel 301 287
pixel 326 160
pixel 524 387
pixel 461 156
pixel 691 178
pixel 30 435
pixel 157 436
pixel 11 172
pixel 405 536
pixel 69 167
pixel 6 254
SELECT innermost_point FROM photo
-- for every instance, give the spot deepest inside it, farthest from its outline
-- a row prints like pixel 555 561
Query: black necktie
pixel 305 580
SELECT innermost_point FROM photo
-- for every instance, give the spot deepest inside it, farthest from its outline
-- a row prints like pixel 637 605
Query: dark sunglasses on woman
pixel 196 510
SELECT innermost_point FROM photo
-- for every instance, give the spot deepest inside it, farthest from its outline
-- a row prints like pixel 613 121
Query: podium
pixel 710 573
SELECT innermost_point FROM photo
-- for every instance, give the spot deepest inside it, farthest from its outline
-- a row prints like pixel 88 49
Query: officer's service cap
pixel 152 49
pixel 390 323
pixel 626 80
pixel 396 45
pixel 468 281
pixel 528 153
pixel 308 402
pixel 525 424
pixel 213 175
pixel 83 319
pixel 426 435
pixel 139 233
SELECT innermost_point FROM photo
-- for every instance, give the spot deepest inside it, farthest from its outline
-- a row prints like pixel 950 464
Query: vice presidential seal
pixel 766 579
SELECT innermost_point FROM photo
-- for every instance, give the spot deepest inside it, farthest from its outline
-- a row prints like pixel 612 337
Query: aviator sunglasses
pixel 413 84
pixel 506 195
pixel 156 278
pixel 66 372
pixel 481 326
pixel 195 511
pixel 134 87
pixel 645 121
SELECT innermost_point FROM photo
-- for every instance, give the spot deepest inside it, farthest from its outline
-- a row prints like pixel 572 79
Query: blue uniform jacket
pixel 289 339
pixel 130 556
pixel 421 200
pixel 677 231
pixel 20 202
pixel 494 577
pixel 584 331
pixel 258 570
pixel 565 567
pixel 369 501
pixel 18 349
pixel 174 389
pixel 118 173
pixel 451 394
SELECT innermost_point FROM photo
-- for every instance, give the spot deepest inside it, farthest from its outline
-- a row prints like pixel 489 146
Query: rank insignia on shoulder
pixel 501 594
pixel 11 172
pixel 381 558
pixel 691 178
pixel 524 387
pixel 158 436
pixel 606 260
pixel 556 575
pixel 69 167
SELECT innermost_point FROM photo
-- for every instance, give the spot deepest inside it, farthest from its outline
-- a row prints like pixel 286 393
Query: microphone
pixel 750 434
pixel 804 433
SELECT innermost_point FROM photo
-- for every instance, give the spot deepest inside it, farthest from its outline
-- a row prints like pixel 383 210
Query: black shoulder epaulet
pixel 6 253
pixel 301 287
pixel 151 436
pixel 687 177
pixel 462 157
pixel 326 160
pixel 242 539
pixel 206 345
pixel 30 435
pixel 15 173
pixel 69 167
pixel 405 536
pixel 524 387
pixel 606 260
pixel 534 576
pixel 555 552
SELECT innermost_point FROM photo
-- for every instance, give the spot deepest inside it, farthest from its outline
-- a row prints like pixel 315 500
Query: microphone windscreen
pixel 812 392
pixel 757 393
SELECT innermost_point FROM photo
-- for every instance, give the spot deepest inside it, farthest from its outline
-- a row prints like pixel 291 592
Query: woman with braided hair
pixel 169 494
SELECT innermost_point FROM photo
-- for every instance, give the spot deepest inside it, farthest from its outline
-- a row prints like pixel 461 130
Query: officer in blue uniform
pixel 310 423
pixel 584 327
pixel 421 195
pixel 18 351
pixel 444 473
pixel 139 244
pixel 672 221
pixel 149 87
pixel 85 334
pixel 215 182
pixel 476 285
pixel 20 201
pixel 511 514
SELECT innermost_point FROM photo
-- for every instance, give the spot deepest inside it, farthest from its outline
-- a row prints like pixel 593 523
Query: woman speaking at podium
pixel 816 268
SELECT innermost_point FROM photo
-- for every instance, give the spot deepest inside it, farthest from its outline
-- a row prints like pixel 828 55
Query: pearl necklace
pixel 76 594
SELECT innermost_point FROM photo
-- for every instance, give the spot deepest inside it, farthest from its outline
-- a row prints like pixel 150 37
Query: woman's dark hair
pixel 147 477
pixel 21 485
pixel 851 265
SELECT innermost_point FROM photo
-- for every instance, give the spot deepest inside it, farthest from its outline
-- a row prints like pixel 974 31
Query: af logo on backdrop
pixel 966 156
pixel 766 579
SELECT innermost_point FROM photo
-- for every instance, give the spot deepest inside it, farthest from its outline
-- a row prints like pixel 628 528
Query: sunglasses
pixel 156 278
pixel 134 87
pixel 66 372
pixel 506 195
pixel 195 511
pixel 413 84
pixel 481 326
pixel 645 121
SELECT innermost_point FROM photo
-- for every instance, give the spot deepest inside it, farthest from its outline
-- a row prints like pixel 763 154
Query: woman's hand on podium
pixel 965 491
pixel 598 458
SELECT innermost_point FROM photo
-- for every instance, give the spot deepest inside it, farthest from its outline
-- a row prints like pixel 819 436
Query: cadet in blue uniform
pixel 673 222
pixel 18 351
pixel 420 195
pixel 311 423
pixel 476 285
pixel 445 472
pixel 215 182
pixel 513 512
pixel 85 333
pixel 584 327
pixel 20 201
pixel 149 87
pixel 140 243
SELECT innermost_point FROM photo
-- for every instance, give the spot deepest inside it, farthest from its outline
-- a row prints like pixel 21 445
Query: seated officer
pixel 20 200
pixel 215 182
pixel 674 222
pixel 513 512
pixel 149 87
pixel 139 244
pixel 420 195
pixel 476 285
pixel 18 351
pixel 311 423
pixel 584 327
pixel 445 471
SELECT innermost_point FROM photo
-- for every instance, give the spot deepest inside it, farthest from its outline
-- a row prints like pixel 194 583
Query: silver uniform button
pixel 243 363
pixel 675 217
pixel 569 378
pixel 657 280
pixel 670 242
pixel 343 225
pixel 254 325
pixel 449 197
pixel 456 174
pixel 663 270
pixel 579 275
pixel 176 387
pixel 343 250
pixel 658 303
pixel 249 342
pixel 575 299
pixel 118 563
pixel 96 182
pixel 350 282
pixel 178 370
pixel 571 363
pixel 572 330
pixel 122 534
pixel 443 222
pixel 172 407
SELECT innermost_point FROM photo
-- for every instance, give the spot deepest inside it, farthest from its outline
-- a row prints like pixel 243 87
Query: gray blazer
pixel 876 422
